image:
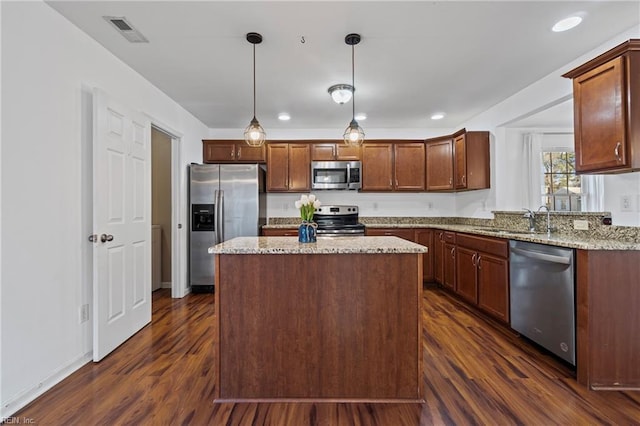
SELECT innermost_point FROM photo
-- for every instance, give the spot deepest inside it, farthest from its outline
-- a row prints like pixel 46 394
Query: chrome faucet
pixel 549 227
pixel 532 219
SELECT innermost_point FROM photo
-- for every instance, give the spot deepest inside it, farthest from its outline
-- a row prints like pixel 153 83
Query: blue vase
pixel 307 232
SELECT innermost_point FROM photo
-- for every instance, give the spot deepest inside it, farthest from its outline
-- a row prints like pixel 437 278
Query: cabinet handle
pixel 396 182
pixel 440 236
pixel 616 151
pixel 479 259
pixel 390 183
pixel 233 153
pixel 239 151
pixel 450 181
pixel 473 259
pixel 453 252
pixel 464 179
pixel 333 151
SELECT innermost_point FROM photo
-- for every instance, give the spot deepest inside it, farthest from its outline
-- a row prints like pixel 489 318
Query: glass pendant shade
pixel 353 134
pixel 341 93
pixel 254 134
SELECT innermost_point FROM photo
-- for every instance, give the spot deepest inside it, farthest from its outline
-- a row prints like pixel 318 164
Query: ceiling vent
pixel 125 28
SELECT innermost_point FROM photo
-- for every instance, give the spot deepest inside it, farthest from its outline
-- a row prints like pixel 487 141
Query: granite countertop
pixel 616 239
pixel 325 245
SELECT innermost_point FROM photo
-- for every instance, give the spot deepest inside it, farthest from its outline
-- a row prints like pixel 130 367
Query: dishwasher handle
pixel 542 256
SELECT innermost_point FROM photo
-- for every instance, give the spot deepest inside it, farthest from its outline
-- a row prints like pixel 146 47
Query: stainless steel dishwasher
pixel 542 296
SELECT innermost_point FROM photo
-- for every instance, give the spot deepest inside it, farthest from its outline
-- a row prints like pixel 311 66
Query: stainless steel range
pixel 338 221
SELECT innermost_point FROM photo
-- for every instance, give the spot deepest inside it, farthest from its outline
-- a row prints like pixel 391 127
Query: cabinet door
pixel 347 152
pixel 250 154
pixel 438 257
pixel 425 237
pixel 599 118
pixel 218 152
pixel 377 167
pixel 449 255
pixel 440 165
pixel 493 286
pixel 466 285
pixel 278 167
pixel 460 156
pixel 299 167
pixel 323 152
pixel 409 167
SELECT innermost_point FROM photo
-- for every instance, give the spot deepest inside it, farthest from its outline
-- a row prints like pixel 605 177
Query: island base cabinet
pixel 319 327
pixel 608 319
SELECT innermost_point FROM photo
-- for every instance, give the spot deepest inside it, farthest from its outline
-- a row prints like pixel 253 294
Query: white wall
pixel 506 157
pixel 48 69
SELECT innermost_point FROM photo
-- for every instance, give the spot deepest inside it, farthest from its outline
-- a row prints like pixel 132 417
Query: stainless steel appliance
pixel 338 221
pixel 542 296
pixel 225 201
pixel 336 174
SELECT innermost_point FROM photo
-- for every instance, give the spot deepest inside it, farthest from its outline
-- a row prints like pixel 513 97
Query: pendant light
pixel 353 134
pixel 254 134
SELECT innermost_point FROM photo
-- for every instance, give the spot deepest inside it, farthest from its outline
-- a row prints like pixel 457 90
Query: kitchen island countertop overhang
pixel 336 320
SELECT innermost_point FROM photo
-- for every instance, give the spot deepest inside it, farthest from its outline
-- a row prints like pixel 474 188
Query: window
pixel 561 187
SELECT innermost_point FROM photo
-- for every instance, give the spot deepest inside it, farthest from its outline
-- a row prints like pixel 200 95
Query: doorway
pixel 161 211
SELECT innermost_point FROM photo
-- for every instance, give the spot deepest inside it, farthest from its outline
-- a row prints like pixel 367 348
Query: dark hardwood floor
pixel 474 373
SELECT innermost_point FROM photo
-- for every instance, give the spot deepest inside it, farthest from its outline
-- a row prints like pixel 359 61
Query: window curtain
pixel 531 170
pixel 592 193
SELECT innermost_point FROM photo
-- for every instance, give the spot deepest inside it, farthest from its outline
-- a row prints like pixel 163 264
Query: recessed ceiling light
pixel 284 116
pixel 566 24
pixel 361 116
pixel 437 116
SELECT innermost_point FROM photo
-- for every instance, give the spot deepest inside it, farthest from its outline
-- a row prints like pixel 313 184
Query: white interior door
pixel 121 224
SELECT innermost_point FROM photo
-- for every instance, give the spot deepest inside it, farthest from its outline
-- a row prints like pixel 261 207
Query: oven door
pixel 335 174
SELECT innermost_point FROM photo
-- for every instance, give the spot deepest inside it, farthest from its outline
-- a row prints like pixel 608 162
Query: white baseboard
pixel 16 403
pixel 165 284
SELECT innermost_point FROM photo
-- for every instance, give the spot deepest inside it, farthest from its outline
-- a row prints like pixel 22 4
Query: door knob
pixel 104 238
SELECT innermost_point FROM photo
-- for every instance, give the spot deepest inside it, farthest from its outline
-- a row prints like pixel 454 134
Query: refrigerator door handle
pixel 216 200
pixel 221 215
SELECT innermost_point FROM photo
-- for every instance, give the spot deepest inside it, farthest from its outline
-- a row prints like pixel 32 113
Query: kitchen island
pixel 336 320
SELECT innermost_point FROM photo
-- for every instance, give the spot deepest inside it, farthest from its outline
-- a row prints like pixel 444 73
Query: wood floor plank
pixel 476 372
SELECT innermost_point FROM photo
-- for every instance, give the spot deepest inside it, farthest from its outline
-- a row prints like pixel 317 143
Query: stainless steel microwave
pixel 336 174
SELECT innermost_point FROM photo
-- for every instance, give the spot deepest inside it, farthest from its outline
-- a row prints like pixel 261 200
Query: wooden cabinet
pixel 483 273
pixel 444 254
pixel 425 237
pixel 393 166
pixel 231 151
pixel 334 152
pixel 377 167
pixel 459 162
pixel 439 165
pixel 280 232
pixel 471 164
pixel 438 256
pixel 606 101
pixel 288 167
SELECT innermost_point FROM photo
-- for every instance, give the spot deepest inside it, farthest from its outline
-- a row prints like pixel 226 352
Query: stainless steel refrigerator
pixel 225 201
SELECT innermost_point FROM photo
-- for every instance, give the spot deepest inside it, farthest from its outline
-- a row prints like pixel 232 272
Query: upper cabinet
pixel 334 151
pixel 231 151
pixel 393 166
pixel 606 102
pixel 288 167
pixel 459 162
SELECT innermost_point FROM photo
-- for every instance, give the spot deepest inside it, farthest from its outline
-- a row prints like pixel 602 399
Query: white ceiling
pixel 415 58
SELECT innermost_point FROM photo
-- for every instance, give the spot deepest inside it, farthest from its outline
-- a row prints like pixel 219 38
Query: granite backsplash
pixel 562 222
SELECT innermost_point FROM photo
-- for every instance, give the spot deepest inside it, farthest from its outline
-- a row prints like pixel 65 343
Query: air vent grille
pixel 125 28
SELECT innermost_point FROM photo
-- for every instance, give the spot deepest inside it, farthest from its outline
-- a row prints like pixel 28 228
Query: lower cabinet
pixel 482 268
pixel 424 237
pixel 444 255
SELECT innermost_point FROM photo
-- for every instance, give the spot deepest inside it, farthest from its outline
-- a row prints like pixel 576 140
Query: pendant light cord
pixel 353 84
pixel 254 81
